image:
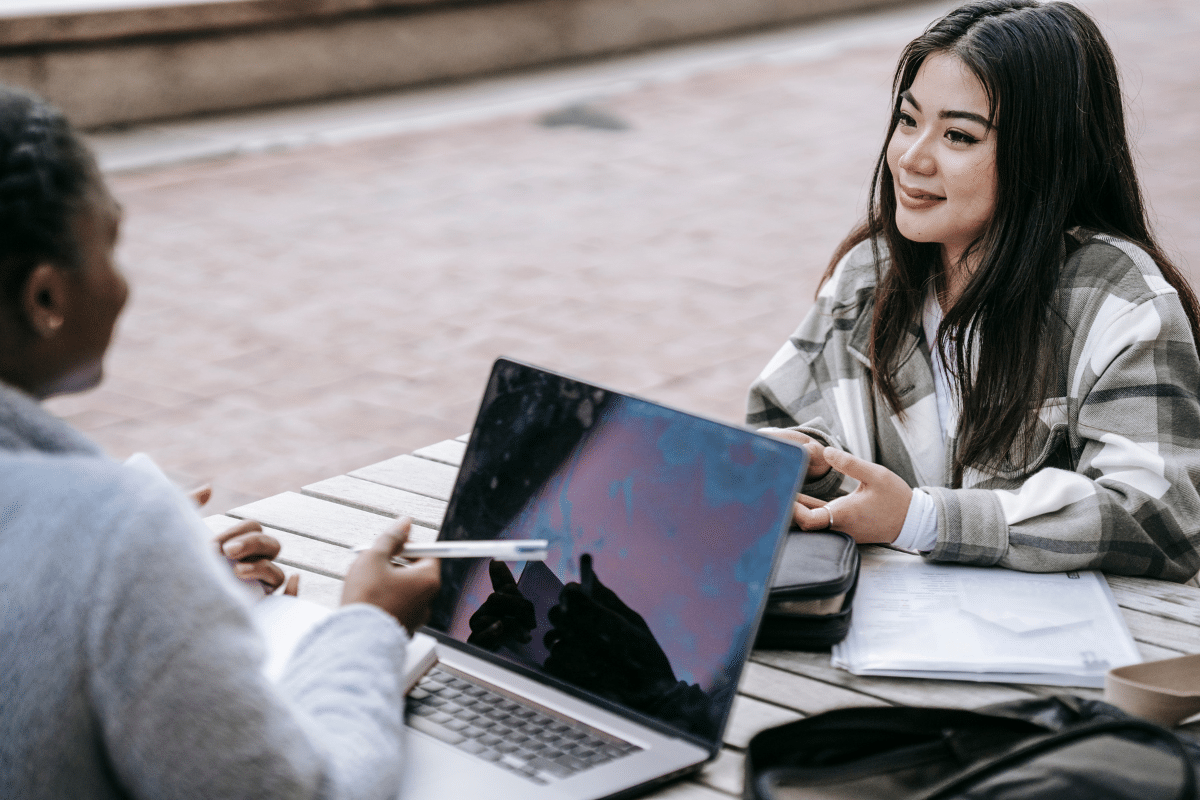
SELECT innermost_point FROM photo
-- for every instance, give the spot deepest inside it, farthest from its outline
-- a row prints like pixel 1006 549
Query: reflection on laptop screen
pixel 663 529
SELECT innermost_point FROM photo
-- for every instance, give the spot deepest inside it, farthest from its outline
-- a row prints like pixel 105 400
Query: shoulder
pixel 1106 266
pixel 84 481
pixel 66 487
pixel 854 277
pixel 828 328
pixel 1116 307
pixel 100 509
pixel 844 299
pixel 110 545
pixel 1111 284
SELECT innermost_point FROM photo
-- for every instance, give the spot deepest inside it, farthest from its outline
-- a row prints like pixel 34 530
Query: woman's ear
pixel 44 300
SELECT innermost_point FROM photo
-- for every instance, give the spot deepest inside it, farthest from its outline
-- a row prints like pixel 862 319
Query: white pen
pixel 499 549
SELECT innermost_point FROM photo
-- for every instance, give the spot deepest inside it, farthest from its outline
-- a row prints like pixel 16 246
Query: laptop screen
pixel 663 530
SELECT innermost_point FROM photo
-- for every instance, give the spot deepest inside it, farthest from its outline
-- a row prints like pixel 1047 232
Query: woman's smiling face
pixel 942 156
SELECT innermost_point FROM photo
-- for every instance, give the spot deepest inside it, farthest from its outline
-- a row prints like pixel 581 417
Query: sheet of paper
pixel 912 616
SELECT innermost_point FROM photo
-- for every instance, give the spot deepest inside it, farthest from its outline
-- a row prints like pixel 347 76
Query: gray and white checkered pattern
pixel 1111 482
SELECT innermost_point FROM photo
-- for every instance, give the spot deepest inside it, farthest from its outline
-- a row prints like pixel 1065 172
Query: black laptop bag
pixel 1052 748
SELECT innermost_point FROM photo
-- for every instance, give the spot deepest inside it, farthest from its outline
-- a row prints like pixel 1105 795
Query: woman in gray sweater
pixel 128 664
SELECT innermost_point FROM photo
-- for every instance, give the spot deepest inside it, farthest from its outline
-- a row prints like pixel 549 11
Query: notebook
pixel 613 665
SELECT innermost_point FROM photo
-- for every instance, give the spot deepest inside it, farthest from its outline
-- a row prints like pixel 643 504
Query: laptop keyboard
pixel 515 735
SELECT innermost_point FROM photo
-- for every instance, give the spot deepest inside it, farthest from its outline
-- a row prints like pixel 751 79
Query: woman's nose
pixel 917 157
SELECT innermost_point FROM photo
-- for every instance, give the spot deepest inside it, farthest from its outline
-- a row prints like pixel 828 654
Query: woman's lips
pixel 915 198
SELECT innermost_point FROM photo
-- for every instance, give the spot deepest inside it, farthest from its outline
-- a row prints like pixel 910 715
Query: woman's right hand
pixel 818 467
pixel 404 592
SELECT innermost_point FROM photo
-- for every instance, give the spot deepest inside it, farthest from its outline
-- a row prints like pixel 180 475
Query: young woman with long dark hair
pixel 1001 364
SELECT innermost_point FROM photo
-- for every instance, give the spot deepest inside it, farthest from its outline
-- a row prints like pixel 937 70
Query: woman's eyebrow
pixel 964 115
pixel 970 115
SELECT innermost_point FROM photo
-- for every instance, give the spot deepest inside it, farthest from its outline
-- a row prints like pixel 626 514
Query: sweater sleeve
pixel 1130 503
pixel 765 411
pixel 786 395
pixel 175 676
pixel 816 383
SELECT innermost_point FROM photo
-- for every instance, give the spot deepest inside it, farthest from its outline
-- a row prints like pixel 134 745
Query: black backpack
pixel 1053 748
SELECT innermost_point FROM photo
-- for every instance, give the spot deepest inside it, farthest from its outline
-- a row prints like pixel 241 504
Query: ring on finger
pixel 828 511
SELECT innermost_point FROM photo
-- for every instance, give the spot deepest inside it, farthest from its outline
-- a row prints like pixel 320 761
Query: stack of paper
pixel 914 618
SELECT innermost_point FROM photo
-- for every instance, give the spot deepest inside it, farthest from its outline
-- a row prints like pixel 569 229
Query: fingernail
pixel 234 549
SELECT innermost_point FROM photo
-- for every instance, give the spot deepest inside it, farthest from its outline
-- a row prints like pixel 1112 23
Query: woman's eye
pixel 958 137
pixel 906 120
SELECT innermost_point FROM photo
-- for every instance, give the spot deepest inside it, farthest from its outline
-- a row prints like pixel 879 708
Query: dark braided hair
pixel 46 173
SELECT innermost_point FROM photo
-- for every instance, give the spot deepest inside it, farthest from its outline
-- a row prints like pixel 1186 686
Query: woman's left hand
pixel 250 553
pixel 873 513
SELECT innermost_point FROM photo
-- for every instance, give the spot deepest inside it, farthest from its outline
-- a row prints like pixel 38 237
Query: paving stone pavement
pixel 299 314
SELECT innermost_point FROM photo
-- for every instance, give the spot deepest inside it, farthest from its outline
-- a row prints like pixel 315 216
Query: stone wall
pixel 126 61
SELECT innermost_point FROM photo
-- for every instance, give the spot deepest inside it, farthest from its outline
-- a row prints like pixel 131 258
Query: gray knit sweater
pixel 128 664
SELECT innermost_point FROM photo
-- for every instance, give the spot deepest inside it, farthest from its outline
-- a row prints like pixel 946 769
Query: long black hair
pixel 1062 160
pixel 46 174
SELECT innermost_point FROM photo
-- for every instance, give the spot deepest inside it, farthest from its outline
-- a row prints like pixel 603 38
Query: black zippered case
pixel 812 592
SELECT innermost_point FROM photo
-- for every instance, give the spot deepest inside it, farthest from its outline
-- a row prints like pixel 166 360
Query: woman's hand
pixel 873 513
pixel 404 592
pixel 251 554
pixel 818 467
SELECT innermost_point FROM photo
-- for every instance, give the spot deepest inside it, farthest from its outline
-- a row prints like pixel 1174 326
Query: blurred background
pixel 339 212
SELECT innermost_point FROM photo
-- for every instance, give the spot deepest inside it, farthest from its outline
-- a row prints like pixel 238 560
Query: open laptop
pixel 613 665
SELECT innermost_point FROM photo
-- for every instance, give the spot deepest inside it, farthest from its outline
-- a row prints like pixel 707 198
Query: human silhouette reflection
pixel 507 617
pixel 594 641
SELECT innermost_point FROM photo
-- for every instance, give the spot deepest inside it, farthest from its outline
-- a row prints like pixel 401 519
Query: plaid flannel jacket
pixel 1112 480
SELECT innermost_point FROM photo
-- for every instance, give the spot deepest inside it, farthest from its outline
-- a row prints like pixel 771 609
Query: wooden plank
pixel 726 773
pixel 1151 652
pixel 1078 691
pixel 1170 600
pixel 298 551
pixel 314 555
pixel 379 499
pixel 320 589
pixel 799 692
pixel 1163 632
pixel 320 519
pixel 751 716
pixel 448 452
pixel 416 475
pixel 1180 593
pixel 900 691
pixel 219 523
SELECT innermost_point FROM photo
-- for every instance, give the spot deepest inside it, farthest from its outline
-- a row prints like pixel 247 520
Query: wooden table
pixel 318 526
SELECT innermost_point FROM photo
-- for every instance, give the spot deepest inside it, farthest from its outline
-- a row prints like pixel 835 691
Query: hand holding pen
pixel 405 591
